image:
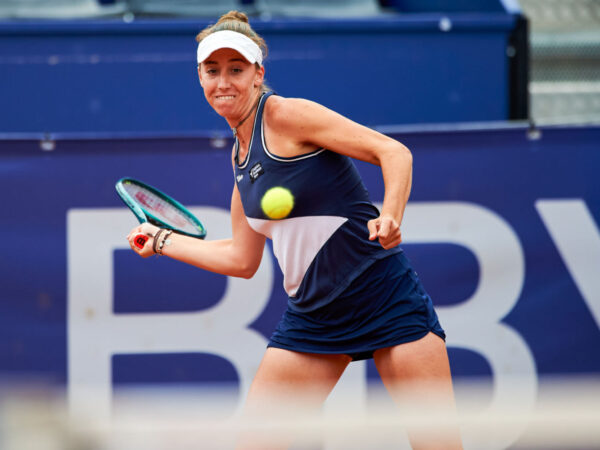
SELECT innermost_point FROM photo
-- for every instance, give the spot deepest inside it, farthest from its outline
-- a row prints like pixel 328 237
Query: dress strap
pixel 258 119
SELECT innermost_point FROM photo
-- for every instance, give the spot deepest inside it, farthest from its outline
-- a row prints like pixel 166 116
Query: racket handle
pixel 140 240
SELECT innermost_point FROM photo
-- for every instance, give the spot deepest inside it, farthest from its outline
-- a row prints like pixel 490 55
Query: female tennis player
pixel 352 292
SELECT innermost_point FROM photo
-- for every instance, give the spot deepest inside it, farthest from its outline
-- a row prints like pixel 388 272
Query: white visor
pixel 230 39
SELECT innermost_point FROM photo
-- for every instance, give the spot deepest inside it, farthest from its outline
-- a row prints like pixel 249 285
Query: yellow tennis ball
pixel 277 202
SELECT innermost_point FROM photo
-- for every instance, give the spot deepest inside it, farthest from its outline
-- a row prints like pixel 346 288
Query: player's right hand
pixel 145 229
pixel 386 229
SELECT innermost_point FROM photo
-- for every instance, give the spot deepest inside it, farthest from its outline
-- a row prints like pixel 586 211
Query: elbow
pixel 246 274
pixel 243 261
pixel 406 154
pixel 247 271
pixel 397 153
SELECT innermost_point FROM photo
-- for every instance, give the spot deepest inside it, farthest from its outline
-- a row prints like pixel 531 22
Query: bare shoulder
pixel 291 113
pixel 310 125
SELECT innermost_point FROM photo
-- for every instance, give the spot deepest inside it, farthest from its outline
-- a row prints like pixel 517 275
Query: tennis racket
pixel 149 204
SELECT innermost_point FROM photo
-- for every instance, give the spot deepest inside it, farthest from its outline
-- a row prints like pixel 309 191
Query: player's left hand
pixel 386 229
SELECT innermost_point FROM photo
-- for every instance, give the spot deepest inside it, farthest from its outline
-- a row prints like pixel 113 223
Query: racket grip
pixel 140 240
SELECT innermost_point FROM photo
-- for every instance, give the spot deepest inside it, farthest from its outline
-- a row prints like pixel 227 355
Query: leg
pixel 288 383
pixel 417 375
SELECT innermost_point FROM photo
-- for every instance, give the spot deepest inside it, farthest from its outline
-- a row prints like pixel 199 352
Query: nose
pixel 223 81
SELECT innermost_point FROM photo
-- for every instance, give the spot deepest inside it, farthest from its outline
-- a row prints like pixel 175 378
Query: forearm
pixel 396 166
pixel 217 256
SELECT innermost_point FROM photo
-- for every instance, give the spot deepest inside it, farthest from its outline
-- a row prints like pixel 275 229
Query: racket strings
pixel 161 209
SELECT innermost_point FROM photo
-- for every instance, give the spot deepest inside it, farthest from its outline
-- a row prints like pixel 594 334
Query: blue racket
pixel 149 204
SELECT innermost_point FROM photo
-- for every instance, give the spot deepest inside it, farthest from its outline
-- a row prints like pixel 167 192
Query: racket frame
pixel 144 215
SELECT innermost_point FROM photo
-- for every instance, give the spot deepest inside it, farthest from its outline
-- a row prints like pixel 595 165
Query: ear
pixel 259 77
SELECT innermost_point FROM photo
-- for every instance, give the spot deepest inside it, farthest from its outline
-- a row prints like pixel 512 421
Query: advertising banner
pixel 502 226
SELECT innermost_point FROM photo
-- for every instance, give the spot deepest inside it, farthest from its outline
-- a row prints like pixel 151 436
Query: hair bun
pixel 233 16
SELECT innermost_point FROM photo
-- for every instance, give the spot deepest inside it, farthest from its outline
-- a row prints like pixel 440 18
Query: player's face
pixel 229 82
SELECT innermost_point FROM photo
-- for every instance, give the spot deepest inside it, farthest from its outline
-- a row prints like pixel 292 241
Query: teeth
pixel 225 97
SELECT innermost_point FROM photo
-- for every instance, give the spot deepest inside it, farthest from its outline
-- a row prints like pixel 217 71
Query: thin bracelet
pixel 156 240
pixel 163 240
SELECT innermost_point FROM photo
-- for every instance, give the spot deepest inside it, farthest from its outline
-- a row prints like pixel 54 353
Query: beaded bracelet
pixel 164 240
pixel 157 240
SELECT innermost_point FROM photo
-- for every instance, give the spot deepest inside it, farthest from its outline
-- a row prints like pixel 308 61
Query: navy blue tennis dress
pixel 346 294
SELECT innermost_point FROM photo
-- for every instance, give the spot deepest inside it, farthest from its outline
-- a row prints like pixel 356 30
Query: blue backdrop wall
pixel 503 227
pixel 533 206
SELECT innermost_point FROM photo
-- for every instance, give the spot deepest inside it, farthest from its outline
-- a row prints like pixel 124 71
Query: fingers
pixel 373 226
pixel 386 229
pixel 141 239
pixel 144 228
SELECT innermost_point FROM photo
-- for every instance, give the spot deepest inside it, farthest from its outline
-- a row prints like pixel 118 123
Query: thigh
pixel 287 388
pixel 417 375
pixel 423 360
pixel 293 375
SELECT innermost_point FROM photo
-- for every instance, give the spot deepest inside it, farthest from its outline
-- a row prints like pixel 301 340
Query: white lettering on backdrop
pixel 95 333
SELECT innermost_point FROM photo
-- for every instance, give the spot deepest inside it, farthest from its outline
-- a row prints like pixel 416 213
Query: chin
pixel 223 110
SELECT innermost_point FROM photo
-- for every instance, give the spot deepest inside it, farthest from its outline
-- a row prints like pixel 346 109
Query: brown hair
pixel 235 21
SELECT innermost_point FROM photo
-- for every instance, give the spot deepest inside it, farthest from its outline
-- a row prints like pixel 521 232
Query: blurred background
pixel 564 40
pixel 499 101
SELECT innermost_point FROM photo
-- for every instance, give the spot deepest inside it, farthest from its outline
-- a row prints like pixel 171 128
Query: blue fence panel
pixel 411 6
pixel 111 76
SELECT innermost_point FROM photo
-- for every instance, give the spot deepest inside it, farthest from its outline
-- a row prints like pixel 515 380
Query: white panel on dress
pixel 296 242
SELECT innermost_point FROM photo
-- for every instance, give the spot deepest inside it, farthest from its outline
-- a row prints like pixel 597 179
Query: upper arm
pixel 308 122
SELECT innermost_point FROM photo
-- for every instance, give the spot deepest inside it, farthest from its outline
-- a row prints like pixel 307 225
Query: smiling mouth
pixel 225 97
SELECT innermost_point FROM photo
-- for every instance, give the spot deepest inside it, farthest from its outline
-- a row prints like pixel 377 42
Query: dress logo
pixel 255 172
pixel 239 177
